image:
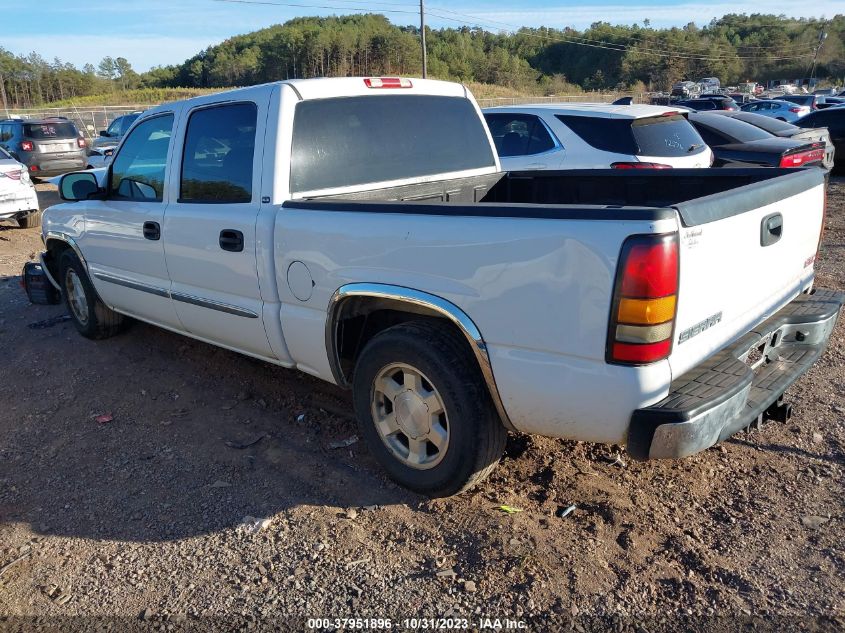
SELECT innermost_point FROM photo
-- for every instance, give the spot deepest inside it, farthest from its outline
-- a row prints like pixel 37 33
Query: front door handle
pixel 152 231
pixel 771 229
pixel 231 240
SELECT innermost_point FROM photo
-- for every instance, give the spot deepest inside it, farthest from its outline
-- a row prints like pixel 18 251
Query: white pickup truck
pixel 361 230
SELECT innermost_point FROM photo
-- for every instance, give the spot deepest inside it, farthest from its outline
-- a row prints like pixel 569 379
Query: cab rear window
pixel 669 136
pixel 350 141
pixel 49 129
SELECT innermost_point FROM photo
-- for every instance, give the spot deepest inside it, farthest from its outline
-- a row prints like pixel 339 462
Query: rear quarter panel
pixel 539 291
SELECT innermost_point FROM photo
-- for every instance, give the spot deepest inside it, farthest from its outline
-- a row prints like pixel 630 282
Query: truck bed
pixel 698 195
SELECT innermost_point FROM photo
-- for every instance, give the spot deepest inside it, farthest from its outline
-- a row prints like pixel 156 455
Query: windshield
pixel 49 130
pixel 805 100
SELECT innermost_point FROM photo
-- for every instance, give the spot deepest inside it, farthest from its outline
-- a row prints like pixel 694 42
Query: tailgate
pixel 744 253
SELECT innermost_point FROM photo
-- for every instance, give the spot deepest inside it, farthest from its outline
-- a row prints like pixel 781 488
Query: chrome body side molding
pixel 177 296
pixel 416 301
pixel 128 283
pixel 213 305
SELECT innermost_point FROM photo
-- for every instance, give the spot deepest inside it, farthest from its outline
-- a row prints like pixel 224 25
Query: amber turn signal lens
pixel 646 311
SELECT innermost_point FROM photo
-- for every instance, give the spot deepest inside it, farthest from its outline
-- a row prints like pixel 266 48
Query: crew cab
pixel 360 230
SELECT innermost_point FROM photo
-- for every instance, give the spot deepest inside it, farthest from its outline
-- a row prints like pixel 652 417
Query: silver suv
pixel 48 147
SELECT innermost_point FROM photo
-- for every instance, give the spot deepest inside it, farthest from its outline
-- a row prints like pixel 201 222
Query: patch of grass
pixel 140 96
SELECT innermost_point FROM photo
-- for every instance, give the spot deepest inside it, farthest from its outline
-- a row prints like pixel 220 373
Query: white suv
pixel 595 136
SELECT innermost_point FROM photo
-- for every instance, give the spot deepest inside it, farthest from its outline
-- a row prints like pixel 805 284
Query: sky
pixel 161 32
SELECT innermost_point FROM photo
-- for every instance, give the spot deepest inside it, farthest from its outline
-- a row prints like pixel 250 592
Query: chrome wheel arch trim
pixel 422 303
pixel 67 239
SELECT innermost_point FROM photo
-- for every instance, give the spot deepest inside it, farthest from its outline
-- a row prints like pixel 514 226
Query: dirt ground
pixel 142 517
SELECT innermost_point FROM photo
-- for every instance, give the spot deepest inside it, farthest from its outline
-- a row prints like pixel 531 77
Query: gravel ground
pixel 142 517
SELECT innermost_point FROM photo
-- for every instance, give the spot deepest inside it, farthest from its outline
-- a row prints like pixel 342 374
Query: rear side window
pixel 519 134
pixel 49 129
pixel 669 135
pixel 608 135
pixel 218 155
pixel 353 141
pixel 6 132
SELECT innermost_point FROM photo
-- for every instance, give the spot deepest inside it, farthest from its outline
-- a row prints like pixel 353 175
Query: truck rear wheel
pixel 424 410
pixel 89 314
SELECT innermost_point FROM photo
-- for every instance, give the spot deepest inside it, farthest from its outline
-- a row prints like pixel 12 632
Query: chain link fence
pixel 89 120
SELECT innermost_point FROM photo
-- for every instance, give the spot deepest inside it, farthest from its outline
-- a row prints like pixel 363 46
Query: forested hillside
pixel 734 48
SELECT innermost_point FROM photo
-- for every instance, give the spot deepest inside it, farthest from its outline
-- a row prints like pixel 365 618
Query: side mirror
pixel 105 134
pixel 78 186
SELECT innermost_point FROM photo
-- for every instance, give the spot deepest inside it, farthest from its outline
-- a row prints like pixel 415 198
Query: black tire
pixel 95 320
pixel 476 435
pixel 30 221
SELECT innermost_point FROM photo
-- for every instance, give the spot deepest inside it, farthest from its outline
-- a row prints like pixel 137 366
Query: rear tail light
pixel 795 110
pixel 26 146
pixel 14 175
pixel 388 82
pixel 801 158
pixel 33 168
pixel 642 319
pixel 638 165
pixel 81 142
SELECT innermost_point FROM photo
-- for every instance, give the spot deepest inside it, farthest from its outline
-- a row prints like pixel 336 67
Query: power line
pixel 582 41
pixel 469 20
pixel 302 5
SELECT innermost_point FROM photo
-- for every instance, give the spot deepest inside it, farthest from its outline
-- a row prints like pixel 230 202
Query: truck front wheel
pixel 89 314
pixel 424 410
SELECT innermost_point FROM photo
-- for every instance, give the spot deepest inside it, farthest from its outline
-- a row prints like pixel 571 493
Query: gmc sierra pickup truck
pixel 361 230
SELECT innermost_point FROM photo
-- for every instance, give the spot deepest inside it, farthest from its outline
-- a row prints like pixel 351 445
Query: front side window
pixel 138 170
pixel 114 128
pixel 519 134
pixel 218 155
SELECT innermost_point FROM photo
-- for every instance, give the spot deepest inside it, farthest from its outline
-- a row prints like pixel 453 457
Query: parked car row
pixel 711 130
pixel 601 136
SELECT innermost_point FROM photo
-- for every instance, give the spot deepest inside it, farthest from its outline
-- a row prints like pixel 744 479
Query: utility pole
pixel 422 39
pixel 822 38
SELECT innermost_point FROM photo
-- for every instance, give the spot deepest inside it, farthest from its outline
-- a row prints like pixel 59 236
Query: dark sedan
pixel 788 130
pixel 712 102
pixel 834 120
pixel 736 143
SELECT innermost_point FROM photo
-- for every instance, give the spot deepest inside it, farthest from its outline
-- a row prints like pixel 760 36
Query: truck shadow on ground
pixel 151 436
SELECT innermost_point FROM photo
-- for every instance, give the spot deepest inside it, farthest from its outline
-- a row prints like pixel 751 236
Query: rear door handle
pixel 231 240
pixel 152 231
pixel 771 229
